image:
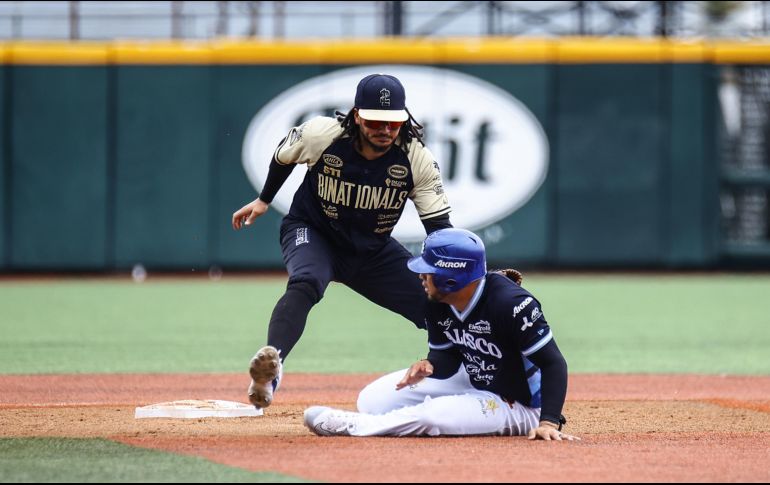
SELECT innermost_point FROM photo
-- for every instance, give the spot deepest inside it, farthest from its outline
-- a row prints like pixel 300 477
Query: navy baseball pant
pixel 313 262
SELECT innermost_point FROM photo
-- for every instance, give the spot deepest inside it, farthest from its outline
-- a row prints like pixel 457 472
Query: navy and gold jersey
pixel 502 326
pixel 354 201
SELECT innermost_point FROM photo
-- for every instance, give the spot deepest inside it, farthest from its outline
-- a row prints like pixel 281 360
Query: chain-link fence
pixel 281 19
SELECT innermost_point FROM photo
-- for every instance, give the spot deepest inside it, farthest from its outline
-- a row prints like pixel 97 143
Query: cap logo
pixel 384 97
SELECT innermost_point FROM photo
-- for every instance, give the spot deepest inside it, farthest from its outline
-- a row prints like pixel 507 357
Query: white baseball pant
pixel 436 407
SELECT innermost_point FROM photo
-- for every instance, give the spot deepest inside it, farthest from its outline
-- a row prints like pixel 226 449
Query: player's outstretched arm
pixel 549 431
pixel 246 214
pixel 419 371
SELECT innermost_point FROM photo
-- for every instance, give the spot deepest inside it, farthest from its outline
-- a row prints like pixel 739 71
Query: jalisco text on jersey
pixel 469 340
pixel 349 194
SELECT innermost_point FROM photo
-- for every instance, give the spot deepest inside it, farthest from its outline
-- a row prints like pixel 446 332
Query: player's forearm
pixel 445 364
pixel 435 223
pixel 276 176
pixel 553 372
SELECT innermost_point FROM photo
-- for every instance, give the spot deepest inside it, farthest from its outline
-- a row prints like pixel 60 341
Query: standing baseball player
pixel 514 380
pixel 361 169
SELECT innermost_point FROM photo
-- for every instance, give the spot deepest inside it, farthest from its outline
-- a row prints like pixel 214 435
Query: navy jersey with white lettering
pixel 353 201
pixel 502 325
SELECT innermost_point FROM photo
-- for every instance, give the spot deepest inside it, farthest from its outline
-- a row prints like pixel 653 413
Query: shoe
pixel 325 421
pixel 266 371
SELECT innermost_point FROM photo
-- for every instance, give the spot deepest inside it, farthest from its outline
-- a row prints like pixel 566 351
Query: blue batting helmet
pixel 455 258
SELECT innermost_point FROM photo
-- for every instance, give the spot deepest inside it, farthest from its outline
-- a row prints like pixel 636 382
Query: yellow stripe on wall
pixel 169 52
pixel 389 50
pixel 741 53
pixel 582 50
pixel 55 53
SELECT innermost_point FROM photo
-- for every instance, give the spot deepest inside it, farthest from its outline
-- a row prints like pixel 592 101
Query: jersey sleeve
pixel 428 193
pixel 437 340
pixel 529 325
pixel 305 143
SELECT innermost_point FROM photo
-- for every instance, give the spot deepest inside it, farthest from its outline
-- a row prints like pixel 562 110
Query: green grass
pixel 98 460
pixel 653 323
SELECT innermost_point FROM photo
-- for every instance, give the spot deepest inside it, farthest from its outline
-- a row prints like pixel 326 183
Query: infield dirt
pixel 633 428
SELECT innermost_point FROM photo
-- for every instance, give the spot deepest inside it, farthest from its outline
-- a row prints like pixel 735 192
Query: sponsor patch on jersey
pixel 439 189
pixel 523 305
pixel 395 183
pixel 398 171
pixel 332 160
pixel 302 236
pixel 536 314
pixel 533 317
pixel 445 323
pixel 331 212
pixel 482 326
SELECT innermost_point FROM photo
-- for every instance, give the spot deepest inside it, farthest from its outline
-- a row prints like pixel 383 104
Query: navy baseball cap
pixel 381 97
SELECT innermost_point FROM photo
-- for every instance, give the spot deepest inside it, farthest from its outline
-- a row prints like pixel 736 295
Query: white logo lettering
pixel 474 135
pixel 450 264
pixel 536 314
pixel 469 340
pixel 302 236
pixel 480 327
pixel 485 378
pixel 476 364
pixel 522 306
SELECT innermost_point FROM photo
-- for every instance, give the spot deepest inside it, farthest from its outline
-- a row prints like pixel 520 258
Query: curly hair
pixel 410 130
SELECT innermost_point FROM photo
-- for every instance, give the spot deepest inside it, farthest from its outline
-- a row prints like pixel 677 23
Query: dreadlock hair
pixel 410 130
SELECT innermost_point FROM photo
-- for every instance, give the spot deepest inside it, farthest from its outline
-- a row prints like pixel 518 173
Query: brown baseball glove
pixel 511 274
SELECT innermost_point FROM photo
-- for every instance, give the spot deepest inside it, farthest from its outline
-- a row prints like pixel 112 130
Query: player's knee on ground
pixel 370 401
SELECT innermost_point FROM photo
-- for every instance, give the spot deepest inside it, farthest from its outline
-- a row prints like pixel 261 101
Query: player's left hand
pixel 548 431
pixel 419 371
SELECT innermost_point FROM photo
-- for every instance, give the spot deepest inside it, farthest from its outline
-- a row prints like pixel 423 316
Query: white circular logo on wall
pixel 492 151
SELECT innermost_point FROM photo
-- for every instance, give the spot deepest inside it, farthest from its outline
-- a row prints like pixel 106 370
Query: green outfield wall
pixel 4 168
pixel 124 153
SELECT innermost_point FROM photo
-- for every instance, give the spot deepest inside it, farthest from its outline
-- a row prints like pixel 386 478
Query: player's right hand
pixel 549 431
pixel 419 371
pixel 246 214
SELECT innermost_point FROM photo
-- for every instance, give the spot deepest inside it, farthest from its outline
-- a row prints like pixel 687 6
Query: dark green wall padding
pixel 59 167
pixel 109 166
pixel 4 169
